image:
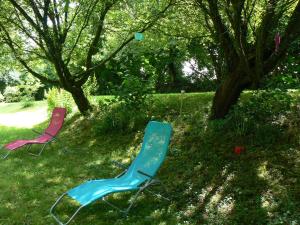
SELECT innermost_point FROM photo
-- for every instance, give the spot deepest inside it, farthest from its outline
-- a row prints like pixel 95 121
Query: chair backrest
pixel 57 120
pixel 154 150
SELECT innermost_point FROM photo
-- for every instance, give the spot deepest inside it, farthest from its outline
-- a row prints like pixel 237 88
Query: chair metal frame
pixel 53 138
pixel 143 187
pixel 5 155
pixel 28 146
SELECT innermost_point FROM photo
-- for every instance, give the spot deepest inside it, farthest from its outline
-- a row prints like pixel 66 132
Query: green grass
pixel 208 184
pixel 18 107
pixel 21 115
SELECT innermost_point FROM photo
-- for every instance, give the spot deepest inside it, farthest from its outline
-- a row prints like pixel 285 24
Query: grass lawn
pixel 18 107
pixel 16 115
pixel 207 182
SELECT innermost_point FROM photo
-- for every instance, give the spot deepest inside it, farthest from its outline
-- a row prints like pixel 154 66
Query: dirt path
pixel 24 119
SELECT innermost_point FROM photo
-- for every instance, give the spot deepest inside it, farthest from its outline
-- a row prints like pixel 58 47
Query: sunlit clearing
pixel 24 119
pixel 222 204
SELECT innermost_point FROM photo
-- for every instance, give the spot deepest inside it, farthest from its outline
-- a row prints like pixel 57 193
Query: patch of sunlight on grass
pixel 226 206
pixel 190 210
pixel 28 175
pixel 97 162
pixel 55 180
pixel 40 165
pixel 24 118
pixel 215 199
pixel 273 177
pixel 218 203
pixel 92 142
pixel 162 223
pixel 262 170
pixel 267 201
pixel 217 196
pixel 157 213
pixel 10 205
pixel 204 193
pixel 119 196
pixel 6 108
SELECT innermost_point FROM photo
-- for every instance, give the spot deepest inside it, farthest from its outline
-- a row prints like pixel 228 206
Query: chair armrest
pixel 49 134
pixel 145 174
pixel 37 132
pixel 119 164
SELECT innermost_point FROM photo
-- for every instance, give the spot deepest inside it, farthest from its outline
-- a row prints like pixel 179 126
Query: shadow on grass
pixel 216 186
pixel 207 182
pixel 30 185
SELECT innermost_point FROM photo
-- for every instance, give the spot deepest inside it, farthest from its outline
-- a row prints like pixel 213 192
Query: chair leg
pixel 55 217
pixel 134 199
pixel 63 149
pixel 125 211
pixel 113 206
pixel 158 195
pixel 40 152
pixel 6 155
pixel 43 148
pixel 28 147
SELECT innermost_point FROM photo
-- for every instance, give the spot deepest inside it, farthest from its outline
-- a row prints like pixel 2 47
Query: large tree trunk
pixel 69 85
pixel 228 94
pixel 247 62
pixel 173 75
pixel 81 100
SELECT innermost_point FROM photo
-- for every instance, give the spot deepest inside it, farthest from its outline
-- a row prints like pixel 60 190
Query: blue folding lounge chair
pixel 139 176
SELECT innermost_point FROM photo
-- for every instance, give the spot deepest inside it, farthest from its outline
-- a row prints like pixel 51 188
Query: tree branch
pixel 10 44
pixel 84 25
pixel 292 32
pixel 222 35
pixel 27 17
pixel 85 75
pixel 94 45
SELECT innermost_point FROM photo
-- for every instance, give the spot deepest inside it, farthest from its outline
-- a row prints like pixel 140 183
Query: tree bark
pixel 80 99
pixel 228 94
pixel 245 62
pixel 173 75
pixel 48 25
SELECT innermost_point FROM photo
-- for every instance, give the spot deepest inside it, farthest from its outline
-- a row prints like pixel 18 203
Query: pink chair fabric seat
pixel 56 123
pixel 19 143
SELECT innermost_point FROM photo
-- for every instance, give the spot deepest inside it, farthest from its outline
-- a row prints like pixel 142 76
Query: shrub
pixel 282 81
pixel 133 93
pixel 27 93
pixel 1 98
pixel 12 94
pixel 117 117
pixel 128 111
pixel 27 102
pixel 22 92
pixel 261 116
pixel 59 98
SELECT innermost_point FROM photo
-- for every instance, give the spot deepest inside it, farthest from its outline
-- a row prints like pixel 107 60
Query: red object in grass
pixel 239 149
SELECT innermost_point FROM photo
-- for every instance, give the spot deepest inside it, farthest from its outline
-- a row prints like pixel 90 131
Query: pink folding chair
pixel 49 135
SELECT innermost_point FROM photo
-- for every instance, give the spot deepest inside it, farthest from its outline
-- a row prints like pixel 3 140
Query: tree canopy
pixel 228 45
pixel 73 37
